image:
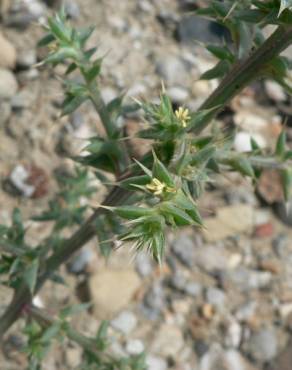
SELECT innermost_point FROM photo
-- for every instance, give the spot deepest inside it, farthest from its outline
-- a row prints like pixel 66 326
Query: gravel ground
pixel 223 298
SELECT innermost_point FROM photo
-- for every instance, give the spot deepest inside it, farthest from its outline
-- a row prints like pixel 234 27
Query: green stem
pixel 244 72
pixel 232 84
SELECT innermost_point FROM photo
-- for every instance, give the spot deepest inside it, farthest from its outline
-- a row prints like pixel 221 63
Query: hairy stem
pixel 238 78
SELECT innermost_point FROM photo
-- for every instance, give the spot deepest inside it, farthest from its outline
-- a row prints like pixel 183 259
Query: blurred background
pixel 223 298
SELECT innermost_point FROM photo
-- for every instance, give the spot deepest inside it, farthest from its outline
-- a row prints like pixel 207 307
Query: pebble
pixel 111 290
pixel 134 347
pixel 144 264
pixel 193 289
pixel 125 322
pixel 275 91
pixel 155 363
pixel 72 9
pixel 5 111
pixel 218 359
pixel 242 141
pixel 154 301
pixel 26 59
pixel 229 221
pixel 178 95
pixel 7 53
pixel 193 27
pixel 245 279
pixel 184 249
pixel 172 70
pixel 233 334
pixel 8 84
pixel 263 345
pixel 168 341
pixel 22 100
pixel 216 297
pixel 80 261
pixel 18 178
pixel 284 212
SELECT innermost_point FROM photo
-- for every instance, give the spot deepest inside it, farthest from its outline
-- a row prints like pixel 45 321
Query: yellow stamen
pixel 156 187
pixel 182 114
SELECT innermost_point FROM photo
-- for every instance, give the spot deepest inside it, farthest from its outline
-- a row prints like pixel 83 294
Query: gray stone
pixel 193 27
pixel 125 322
pixel 218 359
pixel 80 261
pixel 275 91
pixel 178 94
pixel 144 264
pixel 172 70
pixel 284 212
pixel 5 111
pixel 178 282
pixel 7 53
pixel 168 341
pixel 245 279
pixel 8 84
pixel 246 311
pixel 26 59
pixel 193 289
pixel 134 347
pixel 156 363
pixel 216 297
pixel 23 99
pixel 263 345
pixel 154 301
pixel 184 249
pixel 18 178
pixel 72 9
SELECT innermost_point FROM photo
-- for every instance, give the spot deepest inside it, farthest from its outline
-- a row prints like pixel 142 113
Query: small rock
pixel 7 53
pixel 18 178
pixel 156 363
pixel 216 297
pixel 229 221
pixel 168 341
pixel 201 347
pixel 125 322
pixel 191 28
pixel 246 311
pixel 207 311
pixel 184 249
pixel 284 360
pixel 22 100
pixel 5 111
pixel 80 261
pixel 264 230
pixel 8 84
pixel 111 290
pixel 280 244
pixel 144 264
pixel 134 347
pixel 245 279
pixel 233 334
pixel 218 359
pixel 178 282
pixel 172 70
pixel 26 59
pixel 242 141
pixel 263 345
pixel 271 265
pixel 72 9
pixel 275 91
pixel 193 289
pixel 154 301
pixel 177 94
pixel 73 356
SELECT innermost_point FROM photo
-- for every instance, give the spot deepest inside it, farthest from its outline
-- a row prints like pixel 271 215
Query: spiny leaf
pixel 281 145
pixel 218 71
pixel 160 172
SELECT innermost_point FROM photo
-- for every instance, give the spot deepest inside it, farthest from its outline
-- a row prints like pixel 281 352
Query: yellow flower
pixel 182 114
pixel 157 187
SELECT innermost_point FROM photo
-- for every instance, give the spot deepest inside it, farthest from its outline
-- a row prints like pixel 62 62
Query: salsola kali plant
pixel 152 193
